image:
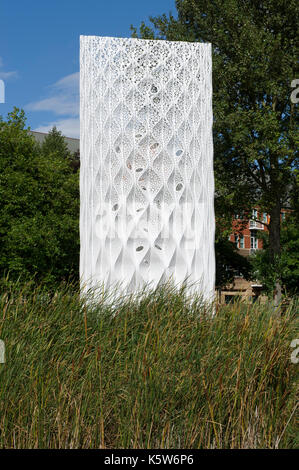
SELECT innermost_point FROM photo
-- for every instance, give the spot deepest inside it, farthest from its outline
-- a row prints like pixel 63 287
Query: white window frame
pixel 241 242
pixel 253 240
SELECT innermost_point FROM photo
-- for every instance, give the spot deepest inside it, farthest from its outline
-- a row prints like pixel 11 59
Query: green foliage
pixel 156 371
pixel 54 143
pixel 39 211
pixel 228 262
pixel 287 265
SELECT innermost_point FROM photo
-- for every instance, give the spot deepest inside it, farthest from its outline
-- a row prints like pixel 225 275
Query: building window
pixel 254 213
pixel 253 240
pixel 241 242
pixel 283 216
pixel 265 217
pixel 239 215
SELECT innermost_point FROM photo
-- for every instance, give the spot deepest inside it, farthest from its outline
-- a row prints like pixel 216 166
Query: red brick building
pixel 245 236
pixel 245 233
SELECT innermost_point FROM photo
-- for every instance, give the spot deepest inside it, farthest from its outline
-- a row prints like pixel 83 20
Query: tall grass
pixel 155 371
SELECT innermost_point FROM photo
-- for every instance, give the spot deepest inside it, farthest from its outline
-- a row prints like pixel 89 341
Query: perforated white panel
pixel 147 184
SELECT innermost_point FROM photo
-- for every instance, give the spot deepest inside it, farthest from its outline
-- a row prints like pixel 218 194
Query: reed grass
pixel 153 371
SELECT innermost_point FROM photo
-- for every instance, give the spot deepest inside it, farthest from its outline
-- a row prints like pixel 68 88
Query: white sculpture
pixel 146 178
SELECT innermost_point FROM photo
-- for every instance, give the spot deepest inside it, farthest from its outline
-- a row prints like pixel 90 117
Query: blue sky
pixel 39 52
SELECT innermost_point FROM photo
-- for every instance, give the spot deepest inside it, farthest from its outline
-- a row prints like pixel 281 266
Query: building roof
pixel 72 143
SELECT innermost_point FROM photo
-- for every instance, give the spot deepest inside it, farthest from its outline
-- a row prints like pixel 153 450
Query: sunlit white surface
pixel 146 177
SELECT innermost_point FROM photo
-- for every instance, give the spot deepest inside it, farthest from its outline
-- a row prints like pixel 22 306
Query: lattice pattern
pixel 147 182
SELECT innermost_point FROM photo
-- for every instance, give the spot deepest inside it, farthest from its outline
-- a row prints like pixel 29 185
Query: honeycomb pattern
pixel 146 178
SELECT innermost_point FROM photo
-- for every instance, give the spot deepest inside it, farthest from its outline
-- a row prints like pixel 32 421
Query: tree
pixel 255 123
pixel 288 263
pixel 228 262
pixel 54 143
pixel 39 193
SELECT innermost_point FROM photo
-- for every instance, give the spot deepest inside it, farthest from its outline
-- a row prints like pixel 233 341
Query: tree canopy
pixel 288 263
pixel 39 212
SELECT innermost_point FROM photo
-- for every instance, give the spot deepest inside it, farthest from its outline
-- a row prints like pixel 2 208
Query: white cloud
pixel 6 75
pixel 60 105
pixel 63 99
pixel 67 82
pixel 69 127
